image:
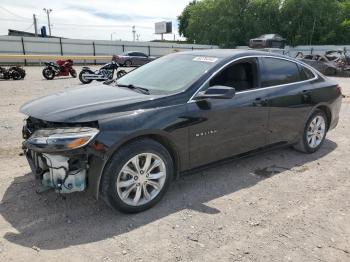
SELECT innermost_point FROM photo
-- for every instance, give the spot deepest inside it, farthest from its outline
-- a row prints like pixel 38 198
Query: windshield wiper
pixel 138 88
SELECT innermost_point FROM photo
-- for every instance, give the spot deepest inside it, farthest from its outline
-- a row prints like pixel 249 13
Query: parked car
pixel 127 141
pixel 328 65
pixel 268 41
pixel 133 58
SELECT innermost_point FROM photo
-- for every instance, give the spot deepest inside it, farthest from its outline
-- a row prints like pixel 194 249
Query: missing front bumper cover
pixel 65 174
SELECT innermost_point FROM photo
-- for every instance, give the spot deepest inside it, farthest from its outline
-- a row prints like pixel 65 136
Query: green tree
pixel 233 22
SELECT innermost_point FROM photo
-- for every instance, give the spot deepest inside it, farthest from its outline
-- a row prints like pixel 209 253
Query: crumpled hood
pixel 84 104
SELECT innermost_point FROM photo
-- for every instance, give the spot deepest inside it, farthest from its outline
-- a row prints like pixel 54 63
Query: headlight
pixel 61 139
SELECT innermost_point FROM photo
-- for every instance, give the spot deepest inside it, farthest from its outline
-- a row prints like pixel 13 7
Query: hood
pixel 84 104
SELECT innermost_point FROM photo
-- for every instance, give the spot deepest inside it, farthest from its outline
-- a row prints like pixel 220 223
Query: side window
pixel 279 72
pixel 306 73
pixel 241 75
pixel 132 54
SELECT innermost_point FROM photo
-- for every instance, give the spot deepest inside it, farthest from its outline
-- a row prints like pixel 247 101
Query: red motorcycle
pixel 60 68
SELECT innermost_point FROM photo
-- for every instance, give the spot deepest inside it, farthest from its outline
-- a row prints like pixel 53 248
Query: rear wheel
pixel 137 176
pixel 48 73
pixel 314 133
pixel 82 76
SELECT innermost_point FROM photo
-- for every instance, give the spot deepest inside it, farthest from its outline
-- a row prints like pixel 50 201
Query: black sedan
pixel 128 140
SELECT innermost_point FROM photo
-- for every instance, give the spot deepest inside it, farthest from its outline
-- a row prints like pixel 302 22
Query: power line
pixel 14 20
pixel 12 13
pixel 28 27
pixel 111 25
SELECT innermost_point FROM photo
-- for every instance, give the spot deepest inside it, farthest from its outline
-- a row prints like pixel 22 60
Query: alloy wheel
pixel 316 131
pixel 141 179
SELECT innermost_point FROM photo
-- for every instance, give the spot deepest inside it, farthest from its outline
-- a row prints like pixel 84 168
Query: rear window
pixel 279 72
pixel 306 73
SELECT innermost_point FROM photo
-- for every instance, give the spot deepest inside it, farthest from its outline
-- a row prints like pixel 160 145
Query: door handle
pixel 260 102
pixel 306 94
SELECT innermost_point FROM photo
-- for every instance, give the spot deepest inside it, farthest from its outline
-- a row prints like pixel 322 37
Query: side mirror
pixel 216 92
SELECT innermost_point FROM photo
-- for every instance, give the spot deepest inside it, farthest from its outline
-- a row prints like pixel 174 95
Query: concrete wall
pixel 56 46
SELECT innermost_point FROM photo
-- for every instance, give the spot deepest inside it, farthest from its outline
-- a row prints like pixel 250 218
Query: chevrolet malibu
pixel 126 141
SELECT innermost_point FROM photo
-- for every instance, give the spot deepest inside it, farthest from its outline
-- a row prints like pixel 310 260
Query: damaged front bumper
pixel 63 173
pixel 62 157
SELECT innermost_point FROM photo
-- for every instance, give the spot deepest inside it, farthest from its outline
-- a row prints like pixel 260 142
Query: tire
pixel 127 63
pixel 16 75
pixel 305 145
pixel 113 176
pixel 121 73
pixel 22 72
pixel 48 73
pixel 330 71
pixel 82 79
pixel 19 70
pixel 73 73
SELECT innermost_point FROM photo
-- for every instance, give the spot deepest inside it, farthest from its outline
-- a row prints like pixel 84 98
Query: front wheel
pixel 16 75
pixel 48 73
pixel 73 73
pixel 121 73
pixel 82 76
pixel 314 133
pixel 137 176
pixel 127 63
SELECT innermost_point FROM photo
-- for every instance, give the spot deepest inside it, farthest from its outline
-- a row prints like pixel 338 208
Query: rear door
pixel 289 97
pixel 222 128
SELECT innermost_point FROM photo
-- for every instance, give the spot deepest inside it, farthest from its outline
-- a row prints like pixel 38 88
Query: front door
pixel 222 128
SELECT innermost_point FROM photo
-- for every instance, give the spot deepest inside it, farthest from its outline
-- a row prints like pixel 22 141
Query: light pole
pixel 133 32
pixel 112 35
pixel 48 11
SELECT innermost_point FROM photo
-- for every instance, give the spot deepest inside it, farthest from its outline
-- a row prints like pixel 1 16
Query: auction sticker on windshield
pixel 205 59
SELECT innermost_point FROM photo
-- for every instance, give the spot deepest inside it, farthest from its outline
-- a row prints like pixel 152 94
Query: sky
pixel 93 19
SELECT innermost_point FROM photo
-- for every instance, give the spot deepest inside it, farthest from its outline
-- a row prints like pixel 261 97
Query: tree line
pixel 229 23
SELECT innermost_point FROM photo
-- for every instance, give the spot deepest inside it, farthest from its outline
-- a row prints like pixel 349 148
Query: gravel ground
pixel 278 206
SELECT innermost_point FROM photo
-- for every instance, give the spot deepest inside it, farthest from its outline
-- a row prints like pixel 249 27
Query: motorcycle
pixel 106 72
pixel 14 72
pixel 60 68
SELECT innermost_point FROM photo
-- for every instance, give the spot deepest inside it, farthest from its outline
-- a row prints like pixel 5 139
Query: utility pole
pixel 112 35
pixel 133 32
pixel 48 11
pixel 35 25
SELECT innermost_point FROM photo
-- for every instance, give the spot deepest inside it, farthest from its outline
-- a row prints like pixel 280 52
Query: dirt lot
pixel 279 206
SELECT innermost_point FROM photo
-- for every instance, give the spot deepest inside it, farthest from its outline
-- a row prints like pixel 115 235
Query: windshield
pixel 169 74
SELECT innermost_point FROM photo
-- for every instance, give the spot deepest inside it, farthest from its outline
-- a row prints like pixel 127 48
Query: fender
pixel 97 165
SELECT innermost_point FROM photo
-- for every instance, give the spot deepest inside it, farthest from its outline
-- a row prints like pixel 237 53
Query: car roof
pixel 229 53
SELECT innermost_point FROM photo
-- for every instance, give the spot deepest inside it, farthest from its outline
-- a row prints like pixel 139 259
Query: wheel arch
pixel 161 138
pixel 328 113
